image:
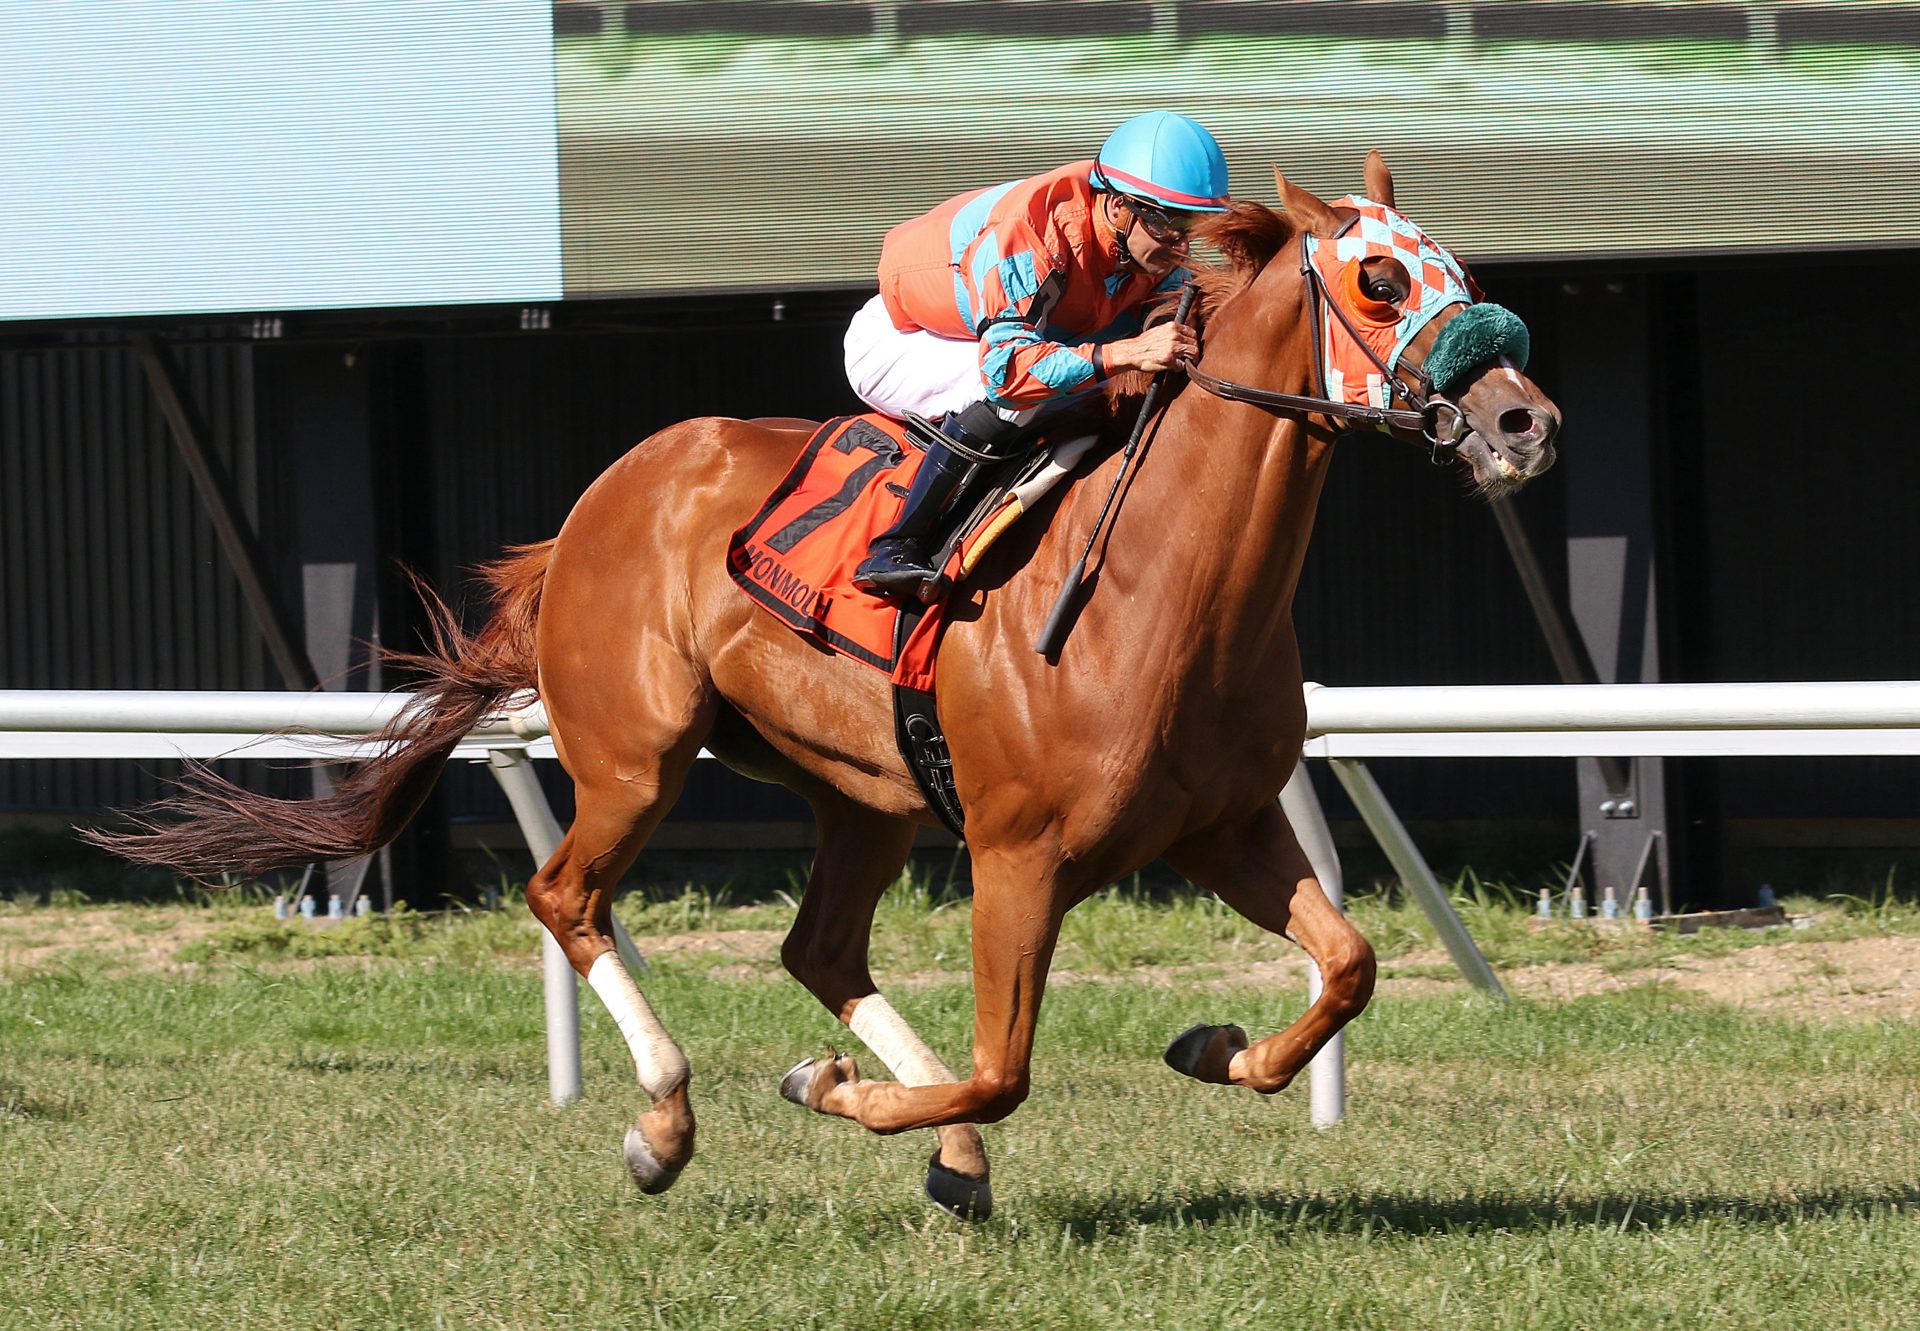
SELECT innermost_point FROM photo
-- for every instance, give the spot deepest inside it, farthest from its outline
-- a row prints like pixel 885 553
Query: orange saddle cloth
pixel 796 557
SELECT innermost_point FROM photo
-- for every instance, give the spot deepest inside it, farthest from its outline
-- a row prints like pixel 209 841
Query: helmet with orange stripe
pixel 1164 159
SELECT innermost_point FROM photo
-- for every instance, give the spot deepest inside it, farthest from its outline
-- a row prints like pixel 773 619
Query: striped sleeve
pixel 1011 282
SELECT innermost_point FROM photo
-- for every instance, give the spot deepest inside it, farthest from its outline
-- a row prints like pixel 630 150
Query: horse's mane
pixel 1246 237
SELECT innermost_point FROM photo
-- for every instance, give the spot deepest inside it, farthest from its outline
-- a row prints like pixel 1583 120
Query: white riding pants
pixel 919 372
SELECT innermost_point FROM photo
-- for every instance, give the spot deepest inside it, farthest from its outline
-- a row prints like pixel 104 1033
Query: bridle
pixel 1439 421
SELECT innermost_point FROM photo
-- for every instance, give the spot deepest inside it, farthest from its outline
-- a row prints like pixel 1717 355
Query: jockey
pixel 1005 300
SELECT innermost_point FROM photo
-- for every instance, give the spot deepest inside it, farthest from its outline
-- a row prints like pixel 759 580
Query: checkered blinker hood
pixel 1438 281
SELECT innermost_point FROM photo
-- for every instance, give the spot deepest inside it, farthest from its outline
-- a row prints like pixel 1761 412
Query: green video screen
pixel 209 156
pixel 761 146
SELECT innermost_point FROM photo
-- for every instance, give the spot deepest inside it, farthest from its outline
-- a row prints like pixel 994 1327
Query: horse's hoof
pixel 961 1197
pixel 799 1077
pixel 1205 1053
pixel 808 1081
pixel 648 1173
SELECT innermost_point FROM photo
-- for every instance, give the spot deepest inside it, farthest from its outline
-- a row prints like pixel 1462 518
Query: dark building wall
pixel 1793 511
pixel 519 426
pixel 110 574
pixel 1805 471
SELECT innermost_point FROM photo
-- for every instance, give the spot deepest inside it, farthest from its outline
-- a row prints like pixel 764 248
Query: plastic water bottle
pixel 280 911
pixel 306 908
pixel 364 906
pixel 334 910
pixel 1543 909
pixel 1577 904
pixel 1766 897
pixel 1610 905
pixel 1643 906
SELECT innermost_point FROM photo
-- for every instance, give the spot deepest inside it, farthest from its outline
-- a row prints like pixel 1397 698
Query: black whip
pixel 1060 622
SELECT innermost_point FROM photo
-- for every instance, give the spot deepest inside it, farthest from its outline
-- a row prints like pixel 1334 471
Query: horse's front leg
pixel 1256 866
pixel 1016 922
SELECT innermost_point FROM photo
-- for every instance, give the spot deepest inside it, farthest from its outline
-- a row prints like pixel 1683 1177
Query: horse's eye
pixel 1385 279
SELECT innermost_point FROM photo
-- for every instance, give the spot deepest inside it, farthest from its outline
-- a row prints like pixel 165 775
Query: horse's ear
pixel 1304 208
pixel 1379 179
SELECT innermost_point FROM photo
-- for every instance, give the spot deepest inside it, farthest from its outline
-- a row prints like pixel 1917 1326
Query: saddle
pixel 795 558
pixel 995 495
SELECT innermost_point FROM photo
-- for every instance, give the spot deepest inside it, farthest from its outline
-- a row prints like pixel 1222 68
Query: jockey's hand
pixel 1158 348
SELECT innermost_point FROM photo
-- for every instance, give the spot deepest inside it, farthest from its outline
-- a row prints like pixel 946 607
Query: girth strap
pixel 916 729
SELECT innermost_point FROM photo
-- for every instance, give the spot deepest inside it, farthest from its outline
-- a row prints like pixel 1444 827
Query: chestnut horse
pixel 1165 728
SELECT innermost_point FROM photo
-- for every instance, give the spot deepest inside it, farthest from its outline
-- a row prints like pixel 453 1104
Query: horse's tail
pixel 212 825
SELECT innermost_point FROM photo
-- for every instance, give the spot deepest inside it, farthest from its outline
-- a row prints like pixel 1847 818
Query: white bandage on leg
pixel 657 1058
pixel 906 1055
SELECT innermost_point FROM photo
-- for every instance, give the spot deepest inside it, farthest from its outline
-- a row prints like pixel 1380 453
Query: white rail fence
pixel 1346 726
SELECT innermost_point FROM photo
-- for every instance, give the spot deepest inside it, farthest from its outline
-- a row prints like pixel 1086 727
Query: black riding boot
pixel 900 558
pixel 898 561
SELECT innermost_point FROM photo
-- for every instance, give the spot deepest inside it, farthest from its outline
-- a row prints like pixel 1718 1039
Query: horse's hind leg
pixel 1018 899
pixel 1256 866
pixel 619 803
pixel 860 853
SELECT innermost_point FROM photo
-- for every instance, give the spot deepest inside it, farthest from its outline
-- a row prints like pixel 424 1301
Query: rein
pixel 1436 419
pixel 1229 391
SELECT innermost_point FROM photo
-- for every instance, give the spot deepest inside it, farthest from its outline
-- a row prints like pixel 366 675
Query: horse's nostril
pixel 1521 423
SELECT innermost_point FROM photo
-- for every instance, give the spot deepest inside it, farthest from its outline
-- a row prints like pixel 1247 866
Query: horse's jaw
pixel 1492 470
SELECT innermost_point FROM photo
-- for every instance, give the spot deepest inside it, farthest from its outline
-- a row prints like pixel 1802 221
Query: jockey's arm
pixel 1021 367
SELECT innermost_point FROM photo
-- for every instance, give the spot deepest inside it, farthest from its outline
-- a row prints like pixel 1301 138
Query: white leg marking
pixel 660 1063
pixel 893 1042
pixel 906 1055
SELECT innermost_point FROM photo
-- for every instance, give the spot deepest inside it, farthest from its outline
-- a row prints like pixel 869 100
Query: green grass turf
pixel 261 1138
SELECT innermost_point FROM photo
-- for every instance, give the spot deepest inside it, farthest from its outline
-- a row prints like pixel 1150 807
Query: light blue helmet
pixel 1167 158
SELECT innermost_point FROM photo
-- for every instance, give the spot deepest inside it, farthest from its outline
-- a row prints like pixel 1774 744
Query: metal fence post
pixel 1327 1074
pixel 512 769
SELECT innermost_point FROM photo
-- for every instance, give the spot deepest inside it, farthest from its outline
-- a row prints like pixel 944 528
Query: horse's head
pixel 1403 320
pixel 1402 340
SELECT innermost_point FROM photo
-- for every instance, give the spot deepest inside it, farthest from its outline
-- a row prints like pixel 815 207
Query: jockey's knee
pixel 979 427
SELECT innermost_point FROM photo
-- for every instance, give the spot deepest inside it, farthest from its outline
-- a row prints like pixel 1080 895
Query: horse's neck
pixel 1234 490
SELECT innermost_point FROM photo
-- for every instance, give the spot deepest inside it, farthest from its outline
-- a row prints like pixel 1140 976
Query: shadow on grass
pixel 1389 1213
pixel 436 1069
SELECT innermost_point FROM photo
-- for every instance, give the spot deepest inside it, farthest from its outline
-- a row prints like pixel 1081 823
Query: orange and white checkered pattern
pixel 1438 280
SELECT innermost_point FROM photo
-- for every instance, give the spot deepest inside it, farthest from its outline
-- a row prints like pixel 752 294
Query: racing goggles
pixel 1164 225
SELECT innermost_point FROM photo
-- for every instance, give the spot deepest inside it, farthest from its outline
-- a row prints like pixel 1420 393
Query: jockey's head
pixel 1164 170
